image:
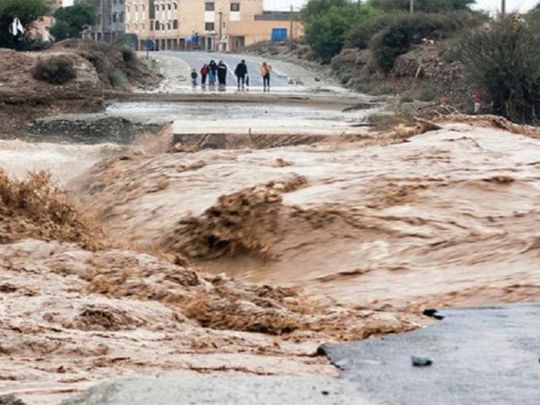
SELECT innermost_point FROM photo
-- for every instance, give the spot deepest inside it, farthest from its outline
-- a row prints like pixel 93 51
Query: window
pixel 136 8
pixel 209 27
pixel 151 26
pixel 157 25
pixel 163 7
pixel 175 6
pixel 175 24
pixel 235 6
pixel 209 6
pixel 168 26
pixel 169 7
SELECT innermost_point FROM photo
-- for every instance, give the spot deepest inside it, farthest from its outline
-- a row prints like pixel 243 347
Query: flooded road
pixel 344 237
pixel 285 76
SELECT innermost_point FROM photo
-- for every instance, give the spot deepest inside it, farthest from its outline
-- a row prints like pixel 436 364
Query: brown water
pixel 390 226
pixel 447 213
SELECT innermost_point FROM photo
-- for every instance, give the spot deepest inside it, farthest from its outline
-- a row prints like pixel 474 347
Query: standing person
pixel 194 76
pixel 265 70
pixel 222 74
pixel 204 73
pixel 212 72
pixel 241 72
pixel 477 97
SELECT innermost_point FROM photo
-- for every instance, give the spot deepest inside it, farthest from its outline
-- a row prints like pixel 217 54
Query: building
pixel 111 20
pixel 223 25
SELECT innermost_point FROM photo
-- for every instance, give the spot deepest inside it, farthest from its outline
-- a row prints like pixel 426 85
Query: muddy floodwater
pixel 362 236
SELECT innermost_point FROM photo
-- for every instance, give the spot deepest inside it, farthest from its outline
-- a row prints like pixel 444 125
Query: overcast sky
pixel 490 5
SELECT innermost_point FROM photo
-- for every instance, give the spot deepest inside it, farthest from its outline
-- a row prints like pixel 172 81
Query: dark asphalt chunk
pixel 482 355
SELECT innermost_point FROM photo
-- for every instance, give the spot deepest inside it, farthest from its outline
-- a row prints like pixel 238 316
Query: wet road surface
pixel 285 76
pixel 480 356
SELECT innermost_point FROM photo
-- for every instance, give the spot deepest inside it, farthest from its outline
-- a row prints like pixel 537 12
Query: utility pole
pixel 291 36
pixel 220 44
pixel 503 7
pixel 411 6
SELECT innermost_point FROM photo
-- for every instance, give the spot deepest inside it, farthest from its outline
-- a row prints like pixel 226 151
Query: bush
pixel 54 70
pixel 360 34
pixel 409 30
pixel 117 78
pixel 502 62
pixel 128 55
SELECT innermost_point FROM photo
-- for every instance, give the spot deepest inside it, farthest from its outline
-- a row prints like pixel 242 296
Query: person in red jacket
pixel 204 74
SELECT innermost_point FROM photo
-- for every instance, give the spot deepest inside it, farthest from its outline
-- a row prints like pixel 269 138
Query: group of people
pixel 213 72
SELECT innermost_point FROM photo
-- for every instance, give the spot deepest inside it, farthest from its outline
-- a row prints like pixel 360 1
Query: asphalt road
pixel 279 78
pixel 480 356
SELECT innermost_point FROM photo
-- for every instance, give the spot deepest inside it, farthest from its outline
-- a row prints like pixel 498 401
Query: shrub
pixel 128 55
pixel 502 62
pixel 409 30
pixel 54 70
pixel 361 33
pixel 117 78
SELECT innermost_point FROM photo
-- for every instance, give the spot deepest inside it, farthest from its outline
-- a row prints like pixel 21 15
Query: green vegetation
pixel 409 30
pixel 332 25
pixel 54 70
pixel 502 62
pixel 329 23
pixel 70 21
pixel 27 11
pixel 467 54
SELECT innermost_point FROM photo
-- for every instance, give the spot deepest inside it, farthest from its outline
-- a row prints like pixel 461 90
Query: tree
pixel 326 34
pixel 71 21
pixel 425 6
pixel 502 62
pixel 317 8
pixel 328 23
pixel 27 11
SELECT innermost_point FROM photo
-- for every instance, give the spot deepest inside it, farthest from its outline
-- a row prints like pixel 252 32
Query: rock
pixel 421 361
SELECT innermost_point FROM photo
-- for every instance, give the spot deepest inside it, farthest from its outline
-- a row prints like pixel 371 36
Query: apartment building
pixel 111 20
pixel 223 25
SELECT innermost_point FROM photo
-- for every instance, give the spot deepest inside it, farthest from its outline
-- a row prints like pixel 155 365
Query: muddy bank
pixel 94 68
